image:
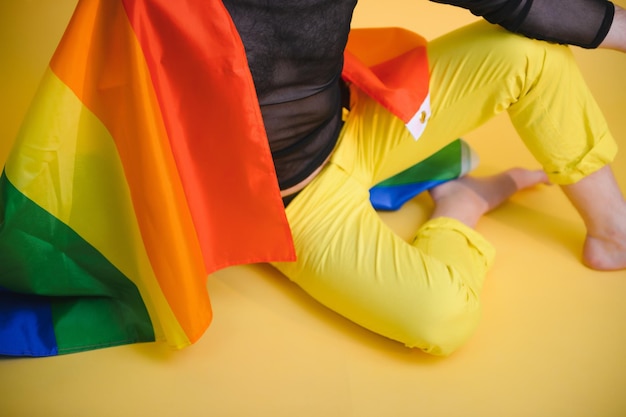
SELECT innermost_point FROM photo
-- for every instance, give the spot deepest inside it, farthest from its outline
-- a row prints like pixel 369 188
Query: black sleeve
pixel 577 22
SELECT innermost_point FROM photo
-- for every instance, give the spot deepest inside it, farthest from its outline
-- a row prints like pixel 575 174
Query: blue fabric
pixel 393 197
pixel 26 321
pixel 452 161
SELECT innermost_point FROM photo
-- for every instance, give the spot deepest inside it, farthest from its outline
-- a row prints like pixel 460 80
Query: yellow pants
pixel 425 293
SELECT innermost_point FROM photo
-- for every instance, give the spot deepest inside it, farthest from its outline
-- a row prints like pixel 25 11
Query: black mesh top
pixel 295 53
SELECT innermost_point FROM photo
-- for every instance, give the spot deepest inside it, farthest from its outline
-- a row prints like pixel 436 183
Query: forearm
pixel 616 38
pixel 576 22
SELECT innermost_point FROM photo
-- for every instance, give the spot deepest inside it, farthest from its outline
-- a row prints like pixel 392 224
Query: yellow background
pixel 551 342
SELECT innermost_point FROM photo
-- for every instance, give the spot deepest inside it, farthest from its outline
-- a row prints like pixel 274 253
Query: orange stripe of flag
pixel 210 109
pixel 100 59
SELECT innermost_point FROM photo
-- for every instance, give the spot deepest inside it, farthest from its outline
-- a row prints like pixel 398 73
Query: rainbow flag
pixel 111 211
pixel 391 66
pixel 143 166
pixel 452 161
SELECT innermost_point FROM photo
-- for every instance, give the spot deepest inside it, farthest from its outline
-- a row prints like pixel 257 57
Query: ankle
pixel 611 225
pixel 455 200
pixel 605 245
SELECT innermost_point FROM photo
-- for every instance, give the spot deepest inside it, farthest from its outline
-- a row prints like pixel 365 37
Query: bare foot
pixel 467 199
pixel 605 250
pixel 605 254
pixel 599 201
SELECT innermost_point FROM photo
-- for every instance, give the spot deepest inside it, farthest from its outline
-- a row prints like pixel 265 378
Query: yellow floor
pixel 551 342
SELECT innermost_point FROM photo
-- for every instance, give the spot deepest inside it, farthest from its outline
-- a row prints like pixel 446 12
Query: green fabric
pixel 443 165
pixel 93 303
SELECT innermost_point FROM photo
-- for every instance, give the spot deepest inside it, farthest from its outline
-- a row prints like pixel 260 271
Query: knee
pixel 539 59
pixel 443 326
pixel 515 47
pixel 531 57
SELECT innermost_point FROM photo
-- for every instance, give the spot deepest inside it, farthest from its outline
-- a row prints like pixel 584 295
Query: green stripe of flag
pixel 444 165
pixel 93 303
